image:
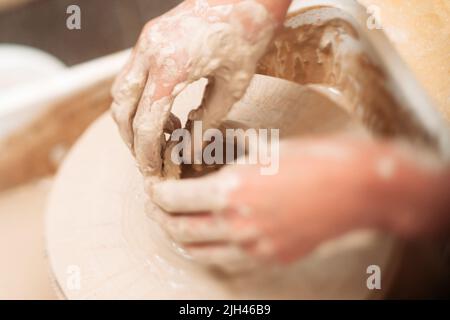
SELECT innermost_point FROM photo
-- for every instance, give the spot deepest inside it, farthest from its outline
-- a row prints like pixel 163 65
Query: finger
pixel 228 258
pixel 126 92
pixel 171 169
pixel 172 124
pixel 210 193
pixel 262 249
pixel 217 102
pixel 152 114
pixel 195 229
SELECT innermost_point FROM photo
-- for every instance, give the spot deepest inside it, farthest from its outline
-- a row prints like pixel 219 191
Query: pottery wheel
pixel 103 245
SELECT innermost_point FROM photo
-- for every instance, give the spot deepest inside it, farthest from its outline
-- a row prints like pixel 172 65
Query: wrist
pixel 413 202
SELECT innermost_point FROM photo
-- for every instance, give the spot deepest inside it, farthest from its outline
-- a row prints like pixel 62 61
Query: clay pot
pixel 101 242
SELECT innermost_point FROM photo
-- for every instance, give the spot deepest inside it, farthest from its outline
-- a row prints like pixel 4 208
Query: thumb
pixel 210 193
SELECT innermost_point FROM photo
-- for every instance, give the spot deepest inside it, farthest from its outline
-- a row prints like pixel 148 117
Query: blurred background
pixel 107 25
pixel 35 133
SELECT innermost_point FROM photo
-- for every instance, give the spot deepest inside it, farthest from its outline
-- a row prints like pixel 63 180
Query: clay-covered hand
pixel 237 218
pixel 221 40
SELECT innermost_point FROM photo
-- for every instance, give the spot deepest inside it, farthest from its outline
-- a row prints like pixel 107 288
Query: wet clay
pixel 103 215
pixel 216 43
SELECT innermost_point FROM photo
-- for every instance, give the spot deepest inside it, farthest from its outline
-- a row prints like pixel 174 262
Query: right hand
pixel 237 219
pixel 221 40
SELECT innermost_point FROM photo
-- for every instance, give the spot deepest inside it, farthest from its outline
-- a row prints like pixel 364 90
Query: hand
pixel 237 219
pixel 221 40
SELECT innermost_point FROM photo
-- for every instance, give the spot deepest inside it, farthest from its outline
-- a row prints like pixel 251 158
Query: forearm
pixel 378 185
pixel 423 207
